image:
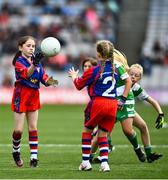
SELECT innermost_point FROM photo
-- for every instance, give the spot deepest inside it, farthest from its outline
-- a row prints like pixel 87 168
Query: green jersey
pixel 121 83
pixel 139 92
pixel 128 109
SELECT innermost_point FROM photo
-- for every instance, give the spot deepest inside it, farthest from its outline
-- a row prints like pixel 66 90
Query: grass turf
pixel 60 129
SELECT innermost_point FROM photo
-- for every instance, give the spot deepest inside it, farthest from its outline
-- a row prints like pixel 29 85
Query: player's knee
pixel 128 132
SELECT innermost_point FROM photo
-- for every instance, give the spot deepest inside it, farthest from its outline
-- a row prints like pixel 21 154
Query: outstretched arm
pixel 80 82
pixel 155 104
pixel 160 119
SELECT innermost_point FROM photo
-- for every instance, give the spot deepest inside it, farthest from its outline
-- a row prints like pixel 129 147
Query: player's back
pixel 105 83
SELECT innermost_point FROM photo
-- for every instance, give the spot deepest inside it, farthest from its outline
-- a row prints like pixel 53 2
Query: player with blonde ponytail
pixel 138 121
pixel 121 57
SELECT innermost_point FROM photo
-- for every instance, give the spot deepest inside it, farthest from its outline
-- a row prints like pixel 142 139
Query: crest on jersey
pixel 38 69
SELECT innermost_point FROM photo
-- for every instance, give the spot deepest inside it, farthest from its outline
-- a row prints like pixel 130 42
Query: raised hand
pixel 73 73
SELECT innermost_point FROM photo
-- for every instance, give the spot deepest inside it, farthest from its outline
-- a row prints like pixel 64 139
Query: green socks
pixel 109 140
pixel 133 140
pixel 148 150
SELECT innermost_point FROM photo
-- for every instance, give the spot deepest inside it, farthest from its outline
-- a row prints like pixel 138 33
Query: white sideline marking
pixel 78 145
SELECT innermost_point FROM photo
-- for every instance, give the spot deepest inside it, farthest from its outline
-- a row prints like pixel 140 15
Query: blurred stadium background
pixel 138 28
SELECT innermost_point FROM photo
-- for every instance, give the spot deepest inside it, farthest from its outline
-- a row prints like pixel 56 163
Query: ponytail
pixel 105 49
pixel 16 56
pixel 102 68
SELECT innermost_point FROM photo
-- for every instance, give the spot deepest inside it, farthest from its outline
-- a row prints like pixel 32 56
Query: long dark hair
pixel 21 41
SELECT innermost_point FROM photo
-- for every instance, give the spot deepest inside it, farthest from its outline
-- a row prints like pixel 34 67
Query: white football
pixel 50 46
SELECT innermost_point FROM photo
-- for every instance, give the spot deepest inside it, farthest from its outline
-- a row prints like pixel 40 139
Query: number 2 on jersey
pixel 109 90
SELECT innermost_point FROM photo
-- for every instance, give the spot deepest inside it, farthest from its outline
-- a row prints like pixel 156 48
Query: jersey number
pixel 109 90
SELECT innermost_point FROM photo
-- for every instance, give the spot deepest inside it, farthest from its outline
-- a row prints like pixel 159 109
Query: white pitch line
pixel 78 145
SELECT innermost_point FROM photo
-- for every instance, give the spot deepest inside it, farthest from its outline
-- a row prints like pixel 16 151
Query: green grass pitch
pixel 60 129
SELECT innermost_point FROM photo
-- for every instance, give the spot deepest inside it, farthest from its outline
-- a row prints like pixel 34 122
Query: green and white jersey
pixel 128 109
pixel 139 92
pixel 121 84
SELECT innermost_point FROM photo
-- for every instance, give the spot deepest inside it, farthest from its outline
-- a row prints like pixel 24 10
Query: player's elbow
pixel 128 81
pixel 78 87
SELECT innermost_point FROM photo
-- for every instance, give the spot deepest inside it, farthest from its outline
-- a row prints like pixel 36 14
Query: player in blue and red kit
pixel 25 102
pixel 102 108
pixel 86 64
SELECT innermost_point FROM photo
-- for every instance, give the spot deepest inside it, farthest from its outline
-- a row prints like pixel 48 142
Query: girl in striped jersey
pixel 102 108
pixel 137 121
pixel 127 114
pixel 136 73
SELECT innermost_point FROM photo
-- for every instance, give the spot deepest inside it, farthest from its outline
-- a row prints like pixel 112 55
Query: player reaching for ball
pixel 25 102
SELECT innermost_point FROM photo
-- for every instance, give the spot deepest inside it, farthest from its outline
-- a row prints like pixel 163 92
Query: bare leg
pixel 32 120
pixel 19 122
pixel 127 127
pixel 142 126
pixel 145 136
pixel 94 144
